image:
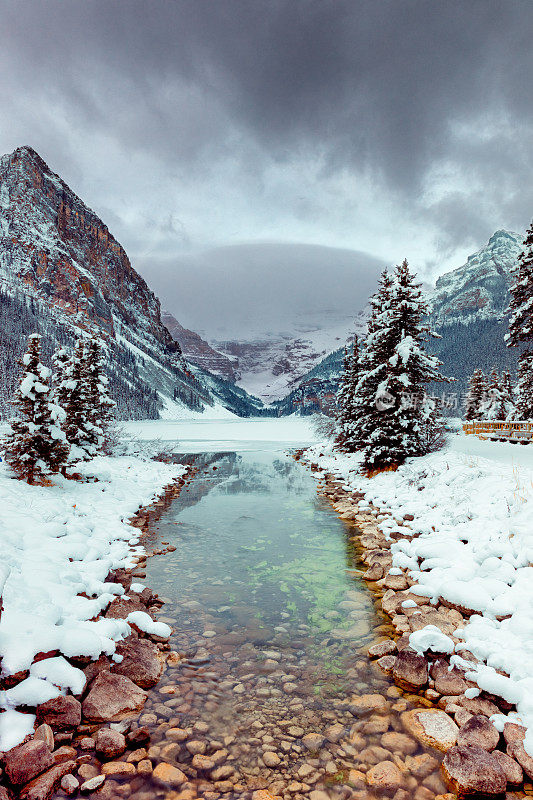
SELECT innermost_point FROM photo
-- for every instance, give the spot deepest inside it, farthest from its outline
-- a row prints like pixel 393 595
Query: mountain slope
pixel 197 350
pixel 62 273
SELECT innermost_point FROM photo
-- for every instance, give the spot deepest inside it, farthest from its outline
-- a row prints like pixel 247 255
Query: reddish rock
pixel 479 731
pixel 112 697
pixel 25 761
pixel 448 682
pixel 140 662
pixel 384 648
pixel 42 787
pixel 513 732
pixel 368 703
pixel 410 670
pixel 513 770
pixel 471 770
pixel 431 727
pixel 138 736
pixel 516 751
pixel 109 743
pixel 385 776
pixel 61 713
pixel 478 705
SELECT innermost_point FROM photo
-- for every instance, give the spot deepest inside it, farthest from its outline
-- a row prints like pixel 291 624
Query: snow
pixel 146 624
pixel 58 543
pixel 472 504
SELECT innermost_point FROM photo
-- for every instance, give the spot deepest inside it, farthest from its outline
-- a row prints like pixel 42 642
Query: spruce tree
pixel 36 445
pixel 345 410
pixel 399 369
pixel 77 424
pixel 476 395
pixel 507 395
pixel 99 403
pixel 521 326
pixel 493 406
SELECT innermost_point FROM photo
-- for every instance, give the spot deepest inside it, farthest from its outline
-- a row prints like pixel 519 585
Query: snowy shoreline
pixel 466 547
pixel 58 545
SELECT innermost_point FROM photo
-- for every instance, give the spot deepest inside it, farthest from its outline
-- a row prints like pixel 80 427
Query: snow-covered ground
pixel 201 434
pixel 56 543
pixel 472 504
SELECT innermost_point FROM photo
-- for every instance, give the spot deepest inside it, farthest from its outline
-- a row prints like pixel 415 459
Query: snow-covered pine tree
pixel 372 369
pixel 346 394
pixel 493 407
pixel 508 395
pixel 77 422
pixel 36 445
pixel 99 403
pixel 476 395
pixel 521 326
pixel 403 368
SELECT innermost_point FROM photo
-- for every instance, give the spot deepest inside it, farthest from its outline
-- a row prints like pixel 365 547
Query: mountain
pixel 197 350
pixel 63 273
pixel 467 310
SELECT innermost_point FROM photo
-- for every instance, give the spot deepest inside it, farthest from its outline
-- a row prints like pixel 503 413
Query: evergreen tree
pixel 476 395
pixel 521 326
pixel 78 427
pixel 99 403
pixel 396 414
pixel 493 407
pixel 36 444
pixel 508 395
pixel 345 410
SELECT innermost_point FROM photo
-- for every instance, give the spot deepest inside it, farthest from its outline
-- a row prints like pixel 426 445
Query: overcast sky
pixel 390 128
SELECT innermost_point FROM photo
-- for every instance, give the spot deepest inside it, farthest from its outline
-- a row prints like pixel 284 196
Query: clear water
pixel 272 622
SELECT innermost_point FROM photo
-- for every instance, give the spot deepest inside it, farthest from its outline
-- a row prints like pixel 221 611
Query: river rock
pixel 431 727
pixel 448 682
pixel 513 732
pixel 112 697
pixel 422 765
pixel 69 784
pixel 41 787
pixel 410 670
pixel 61 713
pixel 513 770
pixel 140 663
pixel 366 704
pixel 479 731
pixel 109 743
pixel 271 759
pixel 384 648
pixel 46 734
pixel 92 784
pixel 385 776
pixel 399 743
pixel 118 769
pixel 471 770
pixel 25 761
pixel 167 775
pixel 516 751
pixel 313 741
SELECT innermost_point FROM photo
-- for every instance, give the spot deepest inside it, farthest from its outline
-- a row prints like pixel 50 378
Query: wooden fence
pixel 500 430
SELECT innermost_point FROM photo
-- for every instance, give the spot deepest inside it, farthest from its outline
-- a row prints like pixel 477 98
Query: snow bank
pixel 56 544
pixel 474 549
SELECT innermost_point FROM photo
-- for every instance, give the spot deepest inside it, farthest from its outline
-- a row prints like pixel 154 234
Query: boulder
pixel 384 776
pixel 410 670
pixel 431 727
pixel 140 662
pixel 384 648
pixel 516 751
pixel 471 770
pixel 365 704
pixel 61 713
pixel 399 743
pixel 448 682
pixel 109 743
pixel 513 770
pixel 23 762
pixel 479 731
pixel 513 732
pixel 41 788
pixel 112 697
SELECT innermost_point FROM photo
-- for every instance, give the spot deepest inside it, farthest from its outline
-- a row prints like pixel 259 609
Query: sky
pixel 392 128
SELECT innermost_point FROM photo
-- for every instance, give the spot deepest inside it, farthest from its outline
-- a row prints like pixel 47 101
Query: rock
pixel 41 788
pixel 87 743
pixel 141 662
pixel 4 794
pixel 313 741
pixel 46 734
pixel 25 761
pixel 196 746
pixel 422 765
pixel 263 794
pixel 513 732
pixel 367 703
pixel 335 732
pixel 139 736
pixel 399 743
pixel 385 776
pixel 61 713
pixel 112 697
pixel 92 784
pixel 271 759
pixel 221 773
pixel 118 768
pixel 64 753
pixel 478 705
pixel 384 648
pixel 167 775
pixel 386 664
pixel 513 771
pixel 431 727
pixel 144 767
pixel 69 784
pixel 448 682
pixel 109 743
pixel 471 770
pixel 410 670
pixel 479 731
pixel 516 751
pixel 202 763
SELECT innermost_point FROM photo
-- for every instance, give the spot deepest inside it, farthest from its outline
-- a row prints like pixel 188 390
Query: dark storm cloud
pixel 428 102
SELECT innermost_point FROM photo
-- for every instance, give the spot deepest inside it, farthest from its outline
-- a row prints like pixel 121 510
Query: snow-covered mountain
pixel 62 272
pixel 479 289
pixel 467 308
pixel 198 351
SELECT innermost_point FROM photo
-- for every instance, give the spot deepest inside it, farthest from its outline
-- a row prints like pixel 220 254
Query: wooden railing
pixel 521 432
